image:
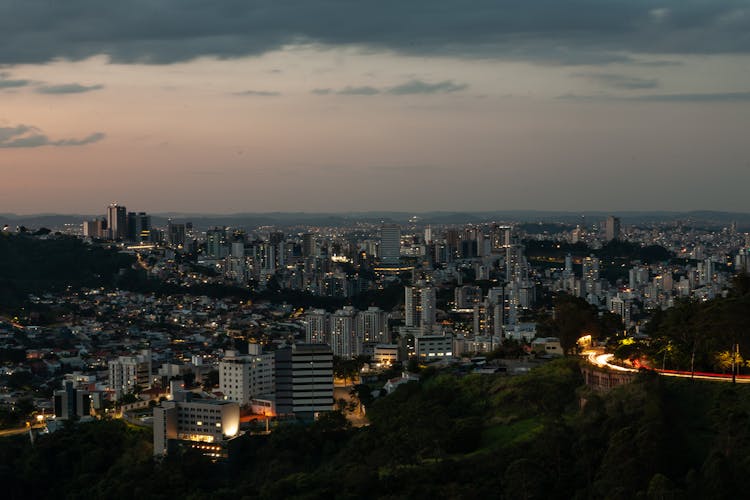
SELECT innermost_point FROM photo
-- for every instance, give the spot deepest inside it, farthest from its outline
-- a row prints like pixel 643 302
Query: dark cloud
pixel 358 91
pixel 420 87
pixel 7 83
pixel 166 31
pixel 258 93
pixel 410 87
pixel 67 88
pixel 619 81
pixel 25 136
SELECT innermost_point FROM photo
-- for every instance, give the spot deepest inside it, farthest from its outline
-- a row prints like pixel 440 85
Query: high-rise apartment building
pixel 316 326
pixel 342 336
pixel 242 378
pixel 372 326
pixel 420 301
pixel 127 372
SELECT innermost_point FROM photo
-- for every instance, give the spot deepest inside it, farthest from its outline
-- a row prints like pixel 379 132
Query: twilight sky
pixel 343 105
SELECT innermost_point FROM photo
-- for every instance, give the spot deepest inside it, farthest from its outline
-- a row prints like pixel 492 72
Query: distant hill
pixel 250 220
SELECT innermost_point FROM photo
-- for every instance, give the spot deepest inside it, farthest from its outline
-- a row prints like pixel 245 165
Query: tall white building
pixel 342 337
pixel 242 378
pixel 372 326
pixel 316 326
pixel 420 306
pixel 127 372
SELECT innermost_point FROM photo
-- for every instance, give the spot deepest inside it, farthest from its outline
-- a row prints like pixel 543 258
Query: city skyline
pixel 504 106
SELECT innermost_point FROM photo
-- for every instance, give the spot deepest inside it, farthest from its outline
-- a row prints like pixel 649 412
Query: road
pixel 602 360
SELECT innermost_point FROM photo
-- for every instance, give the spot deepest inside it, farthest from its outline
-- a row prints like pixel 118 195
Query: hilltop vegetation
pixel 30 265
pixel 701 335
pixel 448 437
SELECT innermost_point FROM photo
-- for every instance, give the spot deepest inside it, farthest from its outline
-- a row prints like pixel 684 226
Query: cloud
pixel 7 83
pixel 702 97
pixel 67 88
pixel 410 87
pixel 25 136
pixel 688 97
pixel 623 82
pixel 168 31
pixel 358 91
pixel 420 87
pixel 258 93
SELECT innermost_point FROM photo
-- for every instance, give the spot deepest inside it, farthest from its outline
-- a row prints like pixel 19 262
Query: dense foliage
pixel 447 437
pixel 30 265
pixel 705 336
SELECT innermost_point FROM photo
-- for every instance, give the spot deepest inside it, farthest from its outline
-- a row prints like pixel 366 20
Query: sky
pixel 215 106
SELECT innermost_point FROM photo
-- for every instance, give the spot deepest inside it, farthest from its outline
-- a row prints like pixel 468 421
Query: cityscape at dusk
pixel 335 249
pixel 343 106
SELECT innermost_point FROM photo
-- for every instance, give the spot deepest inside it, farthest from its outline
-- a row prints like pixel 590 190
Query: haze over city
pixel 331 106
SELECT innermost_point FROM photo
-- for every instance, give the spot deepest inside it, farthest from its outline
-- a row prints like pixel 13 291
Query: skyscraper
pixel 304 380
pixel 612 228
pixel 390 244
pixel 117 221
pixel 419 303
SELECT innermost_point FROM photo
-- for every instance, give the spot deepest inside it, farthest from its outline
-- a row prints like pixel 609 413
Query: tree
pixel 573 318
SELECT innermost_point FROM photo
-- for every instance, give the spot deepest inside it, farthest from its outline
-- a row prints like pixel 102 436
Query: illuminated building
pixel 126 372
pixel 316 326
pixel 342 337
pixel 385 354
pixel 242 378
pixel 304 380
pixel 372 326
pixel 139 226
pixel 419 304
pixel 204 425
pixel 433 347
pixel 216 243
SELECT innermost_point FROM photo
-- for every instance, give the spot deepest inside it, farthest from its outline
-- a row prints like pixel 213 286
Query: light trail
pixel 603 361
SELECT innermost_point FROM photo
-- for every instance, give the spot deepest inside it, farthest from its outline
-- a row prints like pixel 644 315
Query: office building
pixel 304 380
pixel 390 244
pixel 139 226
pixel 206 426
pixel 70 403
pixel 612 228
pixel 117 222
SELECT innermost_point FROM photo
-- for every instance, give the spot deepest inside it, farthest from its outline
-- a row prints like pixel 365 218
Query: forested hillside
pixel 448 437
